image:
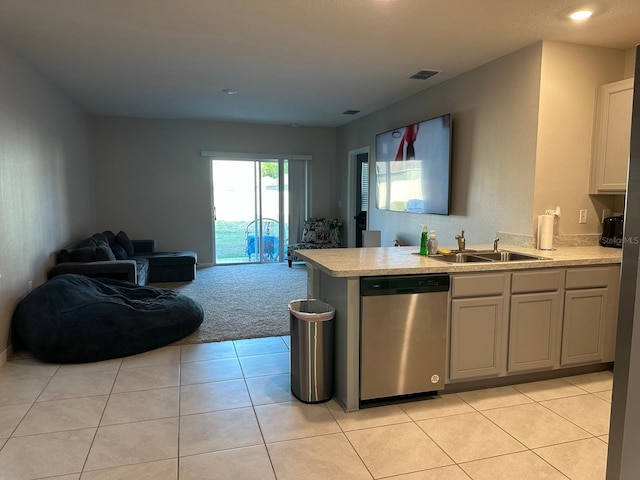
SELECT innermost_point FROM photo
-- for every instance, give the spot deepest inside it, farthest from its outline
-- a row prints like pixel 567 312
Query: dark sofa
pixel 115 256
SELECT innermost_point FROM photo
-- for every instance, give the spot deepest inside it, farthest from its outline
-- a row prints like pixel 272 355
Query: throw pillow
pixel 87 242
pixel 84 254
pixel 100 239
pixel 104 254
pixel 111 237
pixel 124 242
pixel 119 252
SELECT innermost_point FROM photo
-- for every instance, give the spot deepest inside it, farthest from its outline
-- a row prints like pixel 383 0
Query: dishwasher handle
pixel 403 284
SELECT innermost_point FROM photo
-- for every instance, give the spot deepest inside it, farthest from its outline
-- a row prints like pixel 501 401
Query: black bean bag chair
pixel 76 319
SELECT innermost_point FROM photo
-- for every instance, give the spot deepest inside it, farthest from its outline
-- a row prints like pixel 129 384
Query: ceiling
pixel 300 62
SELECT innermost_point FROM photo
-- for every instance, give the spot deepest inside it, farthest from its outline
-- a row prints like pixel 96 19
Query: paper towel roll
pixel 545 232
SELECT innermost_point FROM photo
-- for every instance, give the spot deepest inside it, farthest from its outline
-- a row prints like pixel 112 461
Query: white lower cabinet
pixel 510 323
pixel 476 337
pixel 533 331
pixel 586 312
pixel 477 321
pixel 535 317
pixel 583 327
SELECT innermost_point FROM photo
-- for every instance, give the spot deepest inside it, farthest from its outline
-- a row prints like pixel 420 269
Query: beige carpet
pixel 243 301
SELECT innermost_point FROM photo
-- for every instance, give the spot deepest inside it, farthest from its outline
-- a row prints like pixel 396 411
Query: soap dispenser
pixel 424 249
pixel 432 243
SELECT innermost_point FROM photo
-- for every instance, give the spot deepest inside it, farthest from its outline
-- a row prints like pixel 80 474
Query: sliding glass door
pixel 251 210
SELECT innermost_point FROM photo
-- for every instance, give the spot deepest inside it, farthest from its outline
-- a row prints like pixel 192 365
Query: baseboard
pixel 5 354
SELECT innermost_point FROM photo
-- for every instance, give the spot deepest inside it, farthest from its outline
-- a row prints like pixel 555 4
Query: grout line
pixel 179 421
pixel 325 404
pixel 95 434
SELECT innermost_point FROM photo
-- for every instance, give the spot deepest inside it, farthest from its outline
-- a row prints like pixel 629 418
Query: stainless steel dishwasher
pixel 403 330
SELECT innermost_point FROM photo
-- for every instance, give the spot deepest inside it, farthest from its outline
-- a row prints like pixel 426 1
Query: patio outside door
pixel 250 210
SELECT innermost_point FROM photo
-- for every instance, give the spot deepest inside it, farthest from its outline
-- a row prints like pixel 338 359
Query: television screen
pixel 413 167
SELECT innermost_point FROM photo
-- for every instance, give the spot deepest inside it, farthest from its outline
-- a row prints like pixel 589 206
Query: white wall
pixel 494 111
pixel 46 180
pixel 152 182
pixel 571 75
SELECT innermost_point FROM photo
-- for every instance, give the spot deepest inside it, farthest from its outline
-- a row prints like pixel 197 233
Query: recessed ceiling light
pixel 229 91
pixel 580 15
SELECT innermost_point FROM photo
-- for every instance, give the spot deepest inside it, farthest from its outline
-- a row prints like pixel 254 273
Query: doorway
pixel 250 210
pixel 358 195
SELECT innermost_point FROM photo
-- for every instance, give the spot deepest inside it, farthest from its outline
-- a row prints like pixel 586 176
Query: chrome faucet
pixel 461 242
pixel 495 244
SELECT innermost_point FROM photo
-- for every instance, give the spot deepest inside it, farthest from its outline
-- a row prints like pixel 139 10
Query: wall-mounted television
pixel 413 167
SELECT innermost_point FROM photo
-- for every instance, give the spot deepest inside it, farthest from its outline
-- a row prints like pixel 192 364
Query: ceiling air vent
pixel 350 112
pixel 423 74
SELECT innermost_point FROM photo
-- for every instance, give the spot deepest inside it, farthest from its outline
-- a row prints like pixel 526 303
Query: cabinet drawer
pixel 477 285
pixel 539 281
pixel 587 277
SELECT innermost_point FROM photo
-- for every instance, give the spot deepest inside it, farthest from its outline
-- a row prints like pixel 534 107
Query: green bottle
pixel 424 238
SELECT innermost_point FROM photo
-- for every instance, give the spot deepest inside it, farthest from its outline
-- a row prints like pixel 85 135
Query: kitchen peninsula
pixel 507 322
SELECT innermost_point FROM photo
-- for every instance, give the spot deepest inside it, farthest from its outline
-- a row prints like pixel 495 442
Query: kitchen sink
pixel 487 257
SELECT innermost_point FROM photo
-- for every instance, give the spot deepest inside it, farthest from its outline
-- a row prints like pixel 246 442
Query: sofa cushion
pixel 104 253
pixel 83 254
pixel 123 240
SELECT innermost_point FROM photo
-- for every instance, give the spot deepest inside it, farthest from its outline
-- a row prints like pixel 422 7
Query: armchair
pixel 316 233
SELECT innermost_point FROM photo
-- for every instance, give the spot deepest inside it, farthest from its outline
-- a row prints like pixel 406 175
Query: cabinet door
pixel 533 331
pixel 612 137
pixel 583 329
pixel 476 333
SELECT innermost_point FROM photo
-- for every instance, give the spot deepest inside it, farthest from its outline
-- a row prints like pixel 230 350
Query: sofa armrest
pixel 117 269
pixel 141 247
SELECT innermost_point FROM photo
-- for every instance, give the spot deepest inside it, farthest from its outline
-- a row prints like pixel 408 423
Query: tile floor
pixel 225 411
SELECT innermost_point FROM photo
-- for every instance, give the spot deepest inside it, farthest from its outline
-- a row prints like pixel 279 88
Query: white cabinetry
pixel 611 138
pixel 525 321
pixel 477 316
pixel 585 316
pixel 534 322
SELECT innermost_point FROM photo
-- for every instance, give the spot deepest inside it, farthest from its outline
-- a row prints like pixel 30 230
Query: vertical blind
pixel 364 187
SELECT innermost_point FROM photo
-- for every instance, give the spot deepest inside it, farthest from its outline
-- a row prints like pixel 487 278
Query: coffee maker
pixel 612 231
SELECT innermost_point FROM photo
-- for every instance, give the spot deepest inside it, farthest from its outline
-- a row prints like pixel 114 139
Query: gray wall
pixel 152 182
pixel 46 180
pixel 510 158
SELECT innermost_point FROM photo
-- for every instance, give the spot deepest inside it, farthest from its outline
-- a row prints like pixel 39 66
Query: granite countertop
pixel 362 262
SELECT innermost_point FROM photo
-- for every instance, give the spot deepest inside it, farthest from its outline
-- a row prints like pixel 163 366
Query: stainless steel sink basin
pixel 461 258
pixel 487 256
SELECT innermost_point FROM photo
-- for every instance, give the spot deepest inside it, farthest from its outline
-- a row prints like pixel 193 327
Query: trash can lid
pixel 311 310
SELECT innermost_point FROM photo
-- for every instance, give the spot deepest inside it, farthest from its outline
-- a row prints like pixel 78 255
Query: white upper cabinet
pixel 611 137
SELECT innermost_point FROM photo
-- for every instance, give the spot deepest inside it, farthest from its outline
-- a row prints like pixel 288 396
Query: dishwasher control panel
pixel 398 284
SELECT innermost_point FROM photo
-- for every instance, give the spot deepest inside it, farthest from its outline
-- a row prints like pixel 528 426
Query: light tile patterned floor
pixel 225 411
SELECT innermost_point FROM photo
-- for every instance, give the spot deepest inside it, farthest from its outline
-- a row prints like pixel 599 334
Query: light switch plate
pixel 583 216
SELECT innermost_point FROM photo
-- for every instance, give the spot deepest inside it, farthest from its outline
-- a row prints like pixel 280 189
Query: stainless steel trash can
pixel 312 325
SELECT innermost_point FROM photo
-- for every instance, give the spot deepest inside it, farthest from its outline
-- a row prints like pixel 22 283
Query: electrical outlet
pixel 583 216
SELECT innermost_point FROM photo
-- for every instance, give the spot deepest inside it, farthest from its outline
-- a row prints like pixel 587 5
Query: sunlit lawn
pixel 231 239
pixel 231 242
